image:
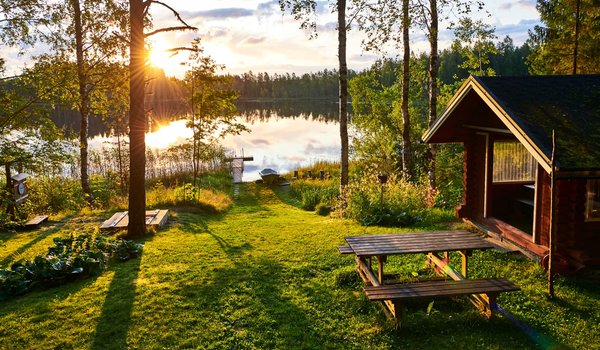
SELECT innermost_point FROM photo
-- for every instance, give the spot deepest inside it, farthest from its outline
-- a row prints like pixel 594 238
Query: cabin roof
pixel 532 106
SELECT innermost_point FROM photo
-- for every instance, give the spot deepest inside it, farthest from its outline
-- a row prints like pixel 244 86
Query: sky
pixel 255 35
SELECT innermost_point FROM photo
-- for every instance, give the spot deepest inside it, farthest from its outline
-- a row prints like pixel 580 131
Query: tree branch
pixel 169 29
pixel 172 10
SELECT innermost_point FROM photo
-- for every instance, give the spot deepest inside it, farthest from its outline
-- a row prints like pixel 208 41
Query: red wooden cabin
pixel 506 124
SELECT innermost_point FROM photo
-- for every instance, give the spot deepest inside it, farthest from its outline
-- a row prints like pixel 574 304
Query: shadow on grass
pixel 113 325
pixel 38 237
pixel 251 303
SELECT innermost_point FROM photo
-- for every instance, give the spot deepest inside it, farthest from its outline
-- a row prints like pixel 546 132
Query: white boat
pixel 269 175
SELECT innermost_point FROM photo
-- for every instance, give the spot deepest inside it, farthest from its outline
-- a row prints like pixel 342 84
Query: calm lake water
pixel 283 137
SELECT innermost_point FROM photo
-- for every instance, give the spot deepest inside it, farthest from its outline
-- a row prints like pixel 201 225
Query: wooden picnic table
pixel 431 243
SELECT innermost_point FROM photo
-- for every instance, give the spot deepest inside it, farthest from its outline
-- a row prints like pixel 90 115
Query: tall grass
pixel 396 203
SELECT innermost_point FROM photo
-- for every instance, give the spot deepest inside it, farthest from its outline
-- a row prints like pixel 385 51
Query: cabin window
pixel 592 207
pixel 513 163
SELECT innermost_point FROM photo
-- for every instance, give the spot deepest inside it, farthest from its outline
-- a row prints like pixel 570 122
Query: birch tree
pixel 305 11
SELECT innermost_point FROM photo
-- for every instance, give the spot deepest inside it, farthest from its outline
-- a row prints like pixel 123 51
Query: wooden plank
pixel 480 301
pixel 345 249
pixel 431 289
pixel 36 220
pixel 416 242
pixel 120 220
pixel 160 218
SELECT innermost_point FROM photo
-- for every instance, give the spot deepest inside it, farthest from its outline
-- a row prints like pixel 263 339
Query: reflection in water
pixel 300 136
pixel 285 144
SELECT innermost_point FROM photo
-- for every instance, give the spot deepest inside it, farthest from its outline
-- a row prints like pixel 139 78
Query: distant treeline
pixel 319 85
pixel 510 60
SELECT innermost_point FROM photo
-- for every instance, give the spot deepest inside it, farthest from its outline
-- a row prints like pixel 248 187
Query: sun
pixel 159 57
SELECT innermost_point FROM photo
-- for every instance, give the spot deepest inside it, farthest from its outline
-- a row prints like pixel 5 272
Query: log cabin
pixel 506 126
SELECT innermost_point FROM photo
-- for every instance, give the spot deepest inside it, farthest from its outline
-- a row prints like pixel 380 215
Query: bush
pixel 312 193
pixel 70 258
pixel 310 199
pixel 323 209
pixel 403 203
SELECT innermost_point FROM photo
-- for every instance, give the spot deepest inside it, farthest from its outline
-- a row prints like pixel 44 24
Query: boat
pixel 269 175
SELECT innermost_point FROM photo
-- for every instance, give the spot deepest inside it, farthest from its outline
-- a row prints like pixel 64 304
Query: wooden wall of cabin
pixel 575 238
pixel 474 177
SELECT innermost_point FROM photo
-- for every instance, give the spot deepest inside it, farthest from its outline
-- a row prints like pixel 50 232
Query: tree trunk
pixel 83 102
pixel 343 89
pixel 433 87
pixel 576 43
pixel 10 203
pixel 137 123
pixel 407 148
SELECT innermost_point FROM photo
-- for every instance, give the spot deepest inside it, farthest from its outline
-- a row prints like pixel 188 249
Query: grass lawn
pixel 267 275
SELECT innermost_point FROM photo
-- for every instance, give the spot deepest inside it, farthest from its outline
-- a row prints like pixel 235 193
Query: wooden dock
pixel 119 221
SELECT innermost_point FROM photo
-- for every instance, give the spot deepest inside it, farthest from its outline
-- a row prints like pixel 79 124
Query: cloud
pixel 269 8
pixel 255 40
pixel 518 32
pixel 258 142
pixel 526 4
pixel 327 27
pixel 318 150
pixel 215 33
pixel 222 13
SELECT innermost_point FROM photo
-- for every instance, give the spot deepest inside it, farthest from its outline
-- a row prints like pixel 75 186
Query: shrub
pixel 70 258
pixel 311 193
pixel 402 204
pixel 323 209
pixel 310 199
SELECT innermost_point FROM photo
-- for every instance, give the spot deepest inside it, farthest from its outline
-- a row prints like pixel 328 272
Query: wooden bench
pixel 345 249
pixel 396 293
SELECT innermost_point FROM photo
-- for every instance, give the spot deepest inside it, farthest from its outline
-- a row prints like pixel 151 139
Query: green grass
pixel 267 275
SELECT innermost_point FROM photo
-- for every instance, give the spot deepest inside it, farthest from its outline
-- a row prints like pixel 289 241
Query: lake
pixel 284 135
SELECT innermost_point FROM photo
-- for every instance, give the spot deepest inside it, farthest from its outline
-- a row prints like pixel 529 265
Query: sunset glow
pixel 174 133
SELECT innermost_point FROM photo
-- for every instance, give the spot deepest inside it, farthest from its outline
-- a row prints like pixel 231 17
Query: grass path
pixel 267 275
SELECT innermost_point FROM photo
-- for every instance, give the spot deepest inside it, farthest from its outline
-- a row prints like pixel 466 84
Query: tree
pixel 428 18
pixel 380 21
pixel 568 42
pixel 304 10
pixel 138 12
pixel 28 140
pixel 213 110
pixel 22 21
pixel 473 40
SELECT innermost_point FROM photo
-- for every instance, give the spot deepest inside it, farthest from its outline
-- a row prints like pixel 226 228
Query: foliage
pixel 554 43
pixel 473 41
pixel 450 190
pixel 396 203
pixel 267 275
pixel 213 111
pixel 205 199
pixel 70 258
pixel 313 194
pixel 317 85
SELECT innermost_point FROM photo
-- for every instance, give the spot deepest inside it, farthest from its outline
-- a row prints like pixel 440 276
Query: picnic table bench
pixel 482 292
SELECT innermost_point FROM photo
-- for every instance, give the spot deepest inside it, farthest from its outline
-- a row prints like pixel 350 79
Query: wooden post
pixel 552 219
pixel 465 262
pixel 380 268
